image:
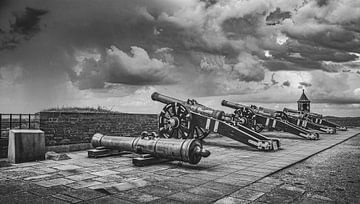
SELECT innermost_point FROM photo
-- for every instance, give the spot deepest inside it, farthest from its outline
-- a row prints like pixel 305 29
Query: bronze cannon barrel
pixel 314 115
pixel 188 150
pixel 165 99
pixel 195 107
pixel 232 104
pixel 291 110
pixel 267 111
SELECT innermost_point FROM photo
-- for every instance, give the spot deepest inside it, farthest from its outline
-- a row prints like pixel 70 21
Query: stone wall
pixel 3 147
pixel 64 128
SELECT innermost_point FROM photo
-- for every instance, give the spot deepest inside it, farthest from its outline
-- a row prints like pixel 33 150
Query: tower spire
pixel 303 102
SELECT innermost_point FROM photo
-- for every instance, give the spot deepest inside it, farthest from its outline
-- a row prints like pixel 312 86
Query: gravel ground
pixel 332 176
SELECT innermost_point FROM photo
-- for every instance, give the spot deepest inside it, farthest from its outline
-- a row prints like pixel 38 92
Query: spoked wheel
pixel 175 122
pixel 248 116
pixel 258 127
pixel 200 133
pixel 281 115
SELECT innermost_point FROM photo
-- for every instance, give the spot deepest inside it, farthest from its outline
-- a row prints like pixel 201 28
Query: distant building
pixel 303 103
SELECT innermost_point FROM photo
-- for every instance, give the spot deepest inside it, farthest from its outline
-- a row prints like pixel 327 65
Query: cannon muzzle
pixel 188 150
pixel 232 105
pixel 314 115
pixel 288 110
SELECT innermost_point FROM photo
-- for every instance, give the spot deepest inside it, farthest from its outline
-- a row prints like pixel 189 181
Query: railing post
pixel 29 121
pixel 10 121
pixel 20 121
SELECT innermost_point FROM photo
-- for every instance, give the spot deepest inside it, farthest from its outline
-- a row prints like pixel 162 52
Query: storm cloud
pixel 198 48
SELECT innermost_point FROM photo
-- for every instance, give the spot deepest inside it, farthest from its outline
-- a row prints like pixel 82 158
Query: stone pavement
pixel 234 173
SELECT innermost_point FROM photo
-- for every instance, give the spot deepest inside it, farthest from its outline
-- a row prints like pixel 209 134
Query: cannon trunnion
pixel 191 120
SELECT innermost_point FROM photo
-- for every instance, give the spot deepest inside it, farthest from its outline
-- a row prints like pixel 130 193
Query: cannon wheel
pixel 175 122
pixel 258 127
pixel 281 115
pixel 200 133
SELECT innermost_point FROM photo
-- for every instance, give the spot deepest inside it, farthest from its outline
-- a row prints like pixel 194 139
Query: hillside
pixel 80 109
pixel 345 121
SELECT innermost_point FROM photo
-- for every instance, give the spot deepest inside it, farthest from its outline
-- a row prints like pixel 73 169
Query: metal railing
pixel 18 121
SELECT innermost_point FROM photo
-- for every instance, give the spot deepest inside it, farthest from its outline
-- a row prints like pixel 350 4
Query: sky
pixel 115 53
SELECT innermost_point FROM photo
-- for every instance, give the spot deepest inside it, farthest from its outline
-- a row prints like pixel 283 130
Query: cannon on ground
pixel 299 121
pixel 186 150
pixel 260 118
pixel 315 118
pixel 191 120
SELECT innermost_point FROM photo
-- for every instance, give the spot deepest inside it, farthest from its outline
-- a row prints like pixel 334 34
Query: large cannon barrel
pixel 232 104
pixel 188 150
pixel 305 114
pixel 314 115
pixel 268 112
pixel 193 106
pixel 165 99
pixel 291 111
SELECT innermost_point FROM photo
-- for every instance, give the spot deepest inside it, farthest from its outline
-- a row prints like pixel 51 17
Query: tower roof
pixel 303 97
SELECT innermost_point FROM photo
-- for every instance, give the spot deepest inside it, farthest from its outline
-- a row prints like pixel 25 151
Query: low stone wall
pixel 65 128
pixel 4 142
pixel 72 131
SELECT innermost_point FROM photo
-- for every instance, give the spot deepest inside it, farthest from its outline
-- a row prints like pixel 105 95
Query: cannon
pixel 257 119
pixel 186 150
pixel 191 120
pixel 315 118
pixel 299 121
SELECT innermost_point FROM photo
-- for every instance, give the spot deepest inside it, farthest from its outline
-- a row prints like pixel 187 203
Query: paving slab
pixel 191 198
pixel 80 177
pixel 233 173
pixel 247 194
pixel 67 167
pixel 66 198
pixel 207 192
pixel 54 182
pixel 137 197
pixel 83 184
pixel 108 200
pixel 231 200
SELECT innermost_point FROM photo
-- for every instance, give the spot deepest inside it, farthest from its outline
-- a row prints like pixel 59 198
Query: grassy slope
pixel 345 121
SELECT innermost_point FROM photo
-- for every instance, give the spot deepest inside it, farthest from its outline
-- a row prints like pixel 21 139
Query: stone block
pixel 26 145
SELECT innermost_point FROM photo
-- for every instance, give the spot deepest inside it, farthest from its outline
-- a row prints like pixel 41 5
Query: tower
pixel 303 103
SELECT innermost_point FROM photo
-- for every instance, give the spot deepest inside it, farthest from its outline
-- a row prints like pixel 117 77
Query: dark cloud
pixel 217 47
pixel 322 2
pixel 119 67
pixel 297 56
pixel 294 65
pixel 277 16
pixel 238 28
pixel 330 88
pixel 339 39
pixel 24 27
pixel 338 100
pixel 305 84
pixel 286 83
pixel 319 54
pixel 273 81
